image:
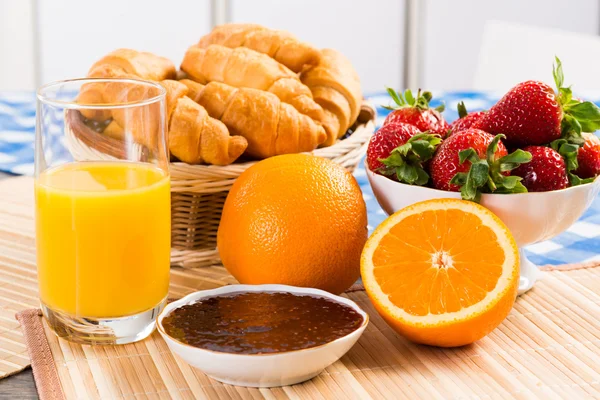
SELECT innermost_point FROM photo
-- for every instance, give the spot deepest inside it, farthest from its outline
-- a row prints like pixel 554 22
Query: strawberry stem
pixel 569 151
pixel 406 161
pixel 578 116
pixel 462 110
pixel 485 175
pixel 407 99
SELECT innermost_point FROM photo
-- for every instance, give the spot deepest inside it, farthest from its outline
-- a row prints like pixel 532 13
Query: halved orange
pixel 442 272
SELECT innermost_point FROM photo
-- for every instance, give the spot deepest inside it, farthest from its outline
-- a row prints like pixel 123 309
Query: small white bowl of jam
pixel 261 335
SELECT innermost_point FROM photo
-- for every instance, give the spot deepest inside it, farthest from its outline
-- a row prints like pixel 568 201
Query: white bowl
pixel 531 217
pixel 262 370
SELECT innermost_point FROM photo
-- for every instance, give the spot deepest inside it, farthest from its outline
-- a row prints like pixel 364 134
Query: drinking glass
pixel 102 208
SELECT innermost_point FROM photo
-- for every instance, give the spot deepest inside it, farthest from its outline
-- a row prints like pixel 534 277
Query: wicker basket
pixel 198 192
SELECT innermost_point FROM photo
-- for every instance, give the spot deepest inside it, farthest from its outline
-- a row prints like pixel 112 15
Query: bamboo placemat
pixel 18 278
pixel 549 346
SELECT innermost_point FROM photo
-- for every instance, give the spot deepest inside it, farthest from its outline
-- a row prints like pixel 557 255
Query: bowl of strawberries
pixel 532 159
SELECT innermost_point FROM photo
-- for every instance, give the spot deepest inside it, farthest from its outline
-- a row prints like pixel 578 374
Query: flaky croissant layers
pixel 194 137
pixel 251 90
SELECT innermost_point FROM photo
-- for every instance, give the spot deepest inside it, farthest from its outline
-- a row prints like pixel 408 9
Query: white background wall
pixel 369 32
pixel 452 31
pixel 17 53
pixel 72 34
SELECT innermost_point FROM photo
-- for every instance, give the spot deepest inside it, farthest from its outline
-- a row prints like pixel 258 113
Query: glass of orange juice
pixel 102 208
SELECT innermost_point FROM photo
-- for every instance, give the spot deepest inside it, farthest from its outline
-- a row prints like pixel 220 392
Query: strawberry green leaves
pixel 407 99
pixel 471 182
pixel 486 175
pixel 441 107
pixel 578 116
pixel 586 114
pixel 462 110
pixel 406 161
pixel 401 101
pixel 569 151
pixel 557 73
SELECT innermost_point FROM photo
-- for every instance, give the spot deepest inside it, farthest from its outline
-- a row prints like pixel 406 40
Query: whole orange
pixel 297 220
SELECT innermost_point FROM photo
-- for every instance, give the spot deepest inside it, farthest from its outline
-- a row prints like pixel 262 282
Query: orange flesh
pixel 438 261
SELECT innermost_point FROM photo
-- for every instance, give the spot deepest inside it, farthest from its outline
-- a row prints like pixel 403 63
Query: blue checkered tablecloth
pixel 581 242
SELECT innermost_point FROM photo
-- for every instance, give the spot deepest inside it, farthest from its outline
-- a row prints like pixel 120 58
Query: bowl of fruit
pixel 531 159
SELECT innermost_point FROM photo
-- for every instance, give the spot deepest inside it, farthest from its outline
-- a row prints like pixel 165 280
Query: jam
pixel 261 322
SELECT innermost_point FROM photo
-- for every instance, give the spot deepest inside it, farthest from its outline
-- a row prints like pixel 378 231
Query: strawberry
pixel 446 164
pixel 528 114
pixel 416 111
pixel 546 171
pixel 465 120
pixel 386 139
pixel 400 151
pixel 531 113
pixel 588 157
pixel 570 155
pixel 473 161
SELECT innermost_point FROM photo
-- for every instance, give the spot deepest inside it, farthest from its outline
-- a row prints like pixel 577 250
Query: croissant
pixel 142 122
pixel 280 45
pixel 122 63
pixel 194 89
pixel 245 68
pixel 141 64
pixel 335 86
pixel 270 126
pixel 93 93
pixel 195 137
pixel 114 130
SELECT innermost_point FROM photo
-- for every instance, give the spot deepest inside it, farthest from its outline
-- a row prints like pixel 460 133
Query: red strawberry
pixel 473 161
pixel 416 111
pixel 531 113
pixel 386 139
pixel 465 120
pixel 546 171
pixel 399 151
pixel 446 164
pixel 588 157
pixel 528 114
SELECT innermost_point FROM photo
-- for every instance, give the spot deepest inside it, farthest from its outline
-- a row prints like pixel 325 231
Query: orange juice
pixel 103 238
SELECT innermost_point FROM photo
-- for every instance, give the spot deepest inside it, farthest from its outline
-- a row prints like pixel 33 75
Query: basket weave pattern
pixel 198 193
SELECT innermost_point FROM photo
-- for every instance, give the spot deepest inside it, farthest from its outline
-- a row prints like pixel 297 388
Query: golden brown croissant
pixel 114 130
pixel 245 68
pixel 92 93
pixel 270 126
pixel 123 63
pixel 194 89
pixel 141 64
pixel 141 122
pixel 280 45
pixel 335 87
pixel 195 137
